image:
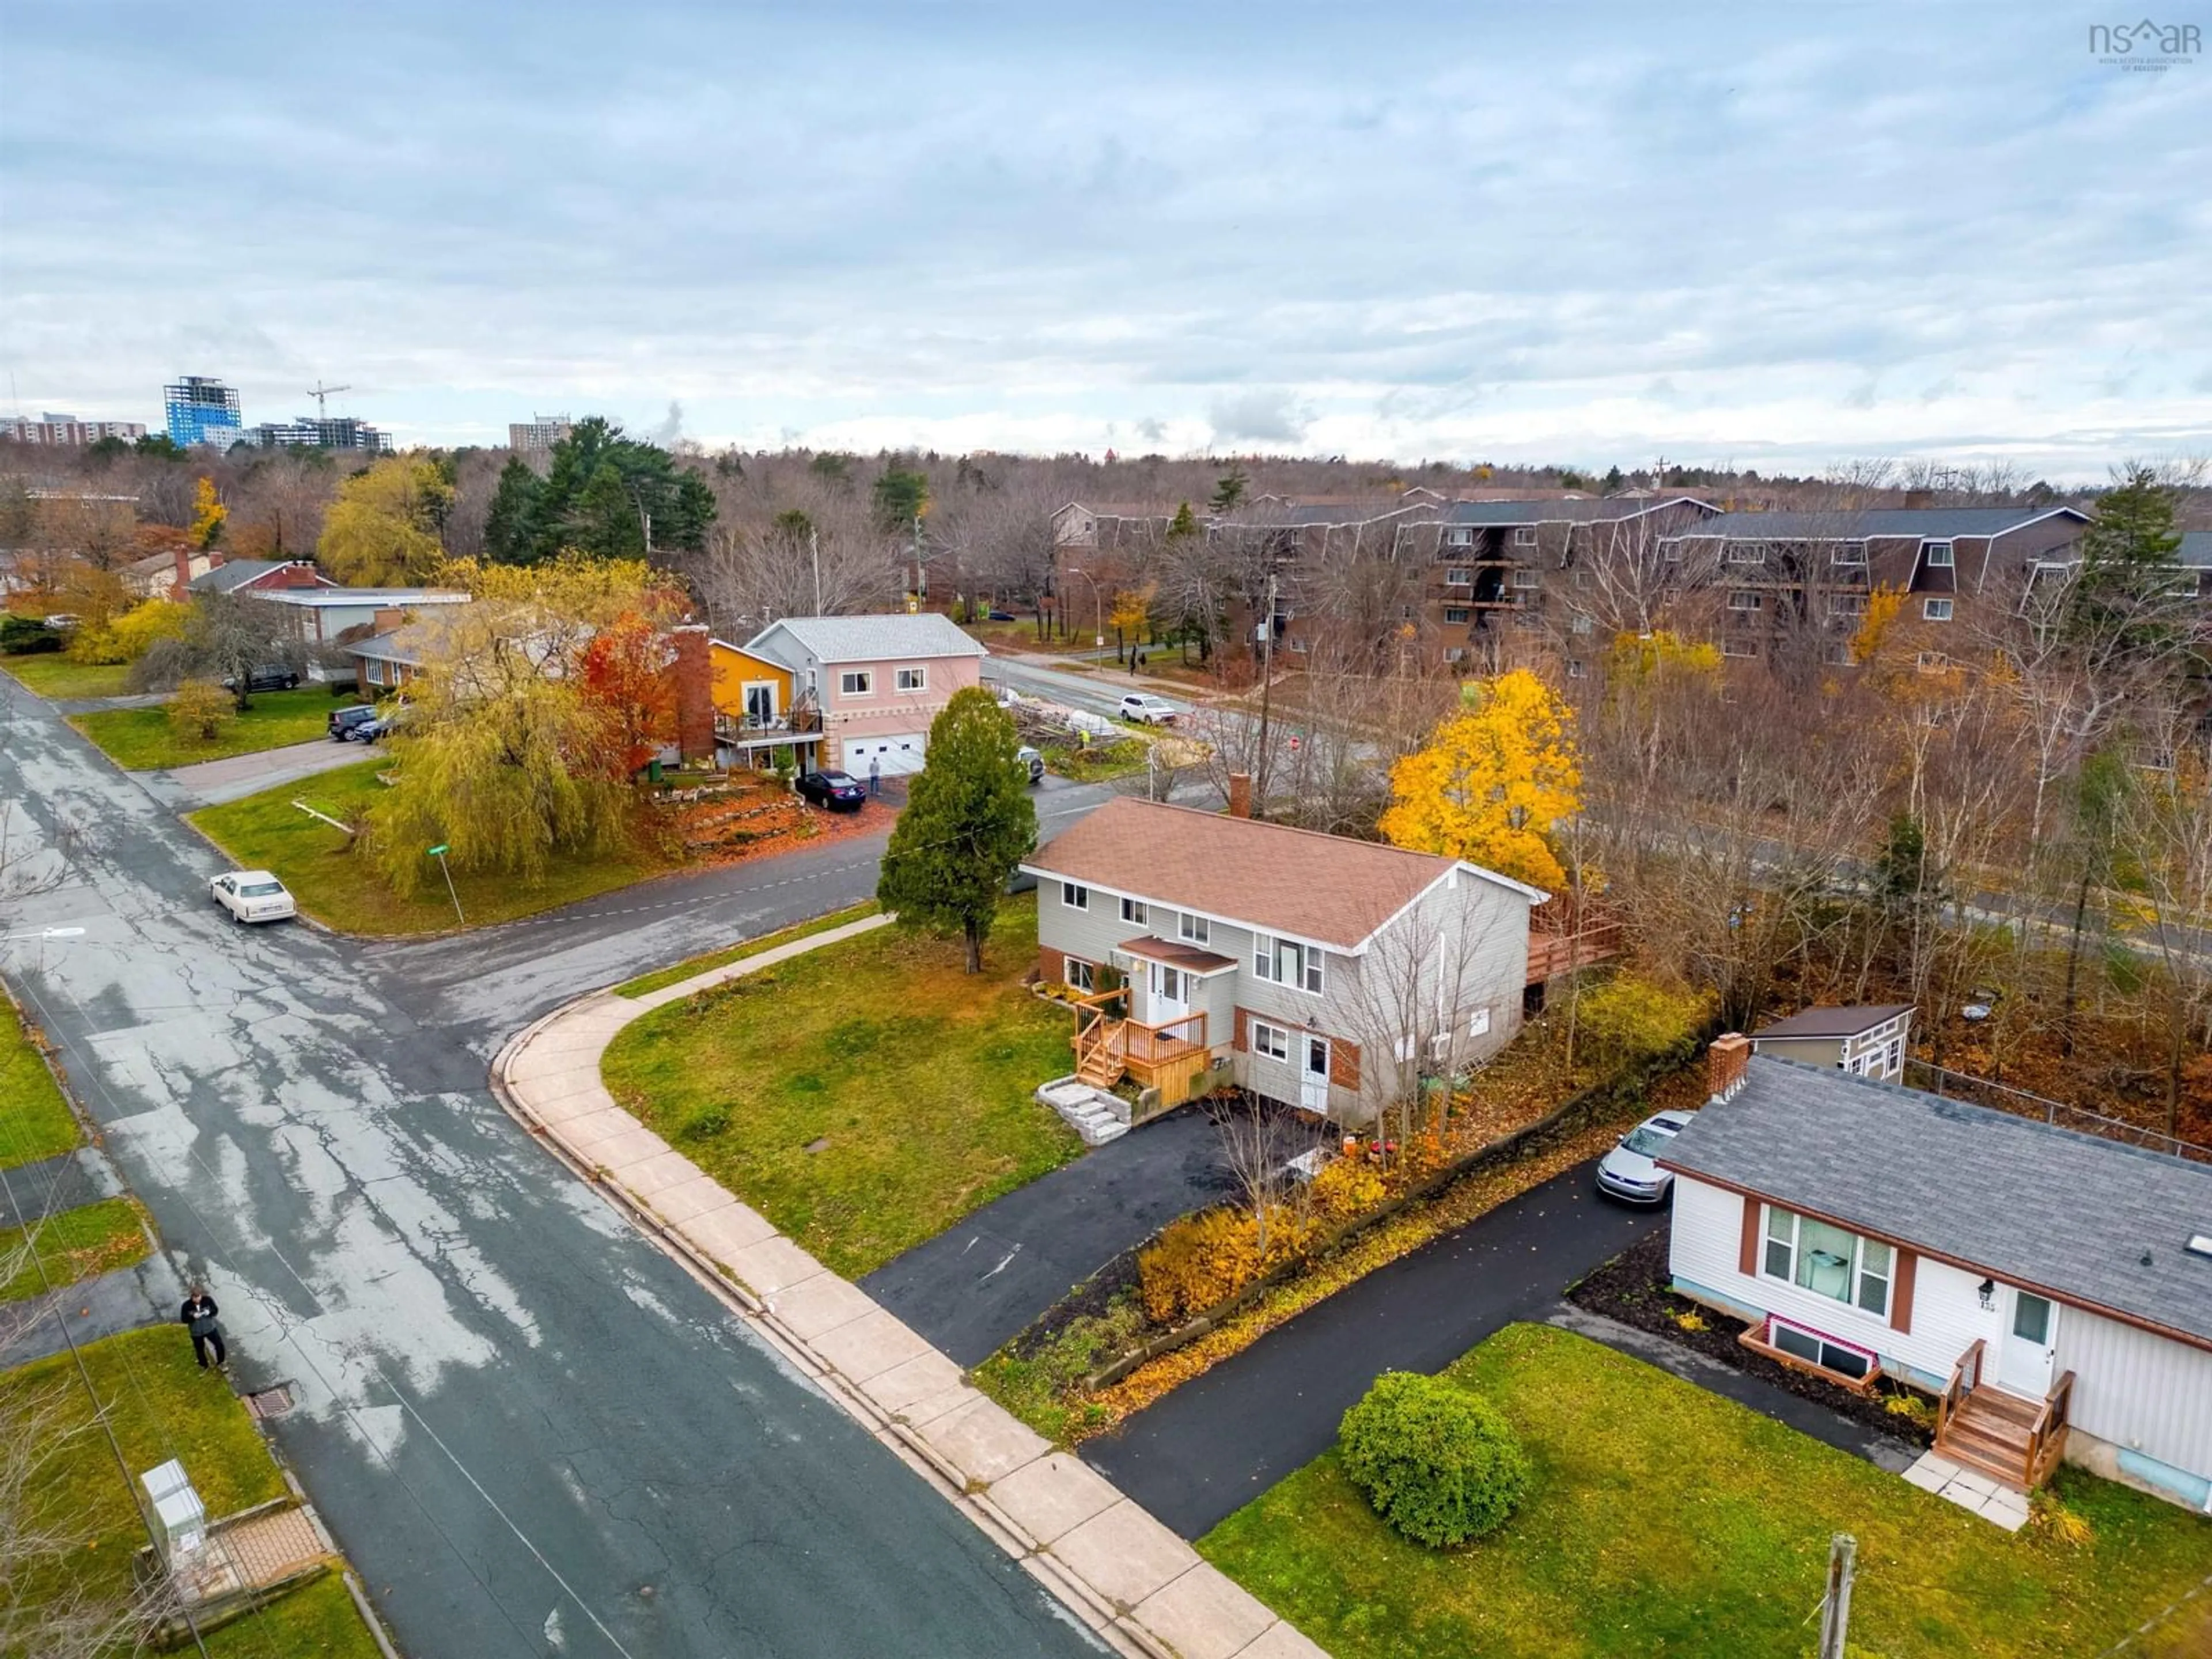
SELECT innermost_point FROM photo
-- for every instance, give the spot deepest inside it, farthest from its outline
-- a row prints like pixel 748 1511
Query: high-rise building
pixel 319 432
pixel 539 431
pixel 201 411
pixel 67 429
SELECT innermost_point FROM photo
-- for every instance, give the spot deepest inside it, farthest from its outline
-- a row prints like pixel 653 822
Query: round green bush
pixel 1439 1464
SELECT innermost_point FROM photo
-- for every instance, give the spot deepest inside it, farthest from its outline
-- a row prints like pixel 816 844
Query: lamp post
pixel 1098 606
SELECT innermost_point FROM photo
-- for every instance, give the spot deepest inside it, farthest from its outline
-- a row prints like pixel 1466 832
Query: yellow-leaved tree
pixel 382 530
pixel 208 515
pixel 1492 781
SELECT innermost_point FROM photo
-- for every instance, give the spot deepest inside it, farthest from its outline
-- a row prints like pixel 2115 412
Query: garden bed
pixel 1636 1288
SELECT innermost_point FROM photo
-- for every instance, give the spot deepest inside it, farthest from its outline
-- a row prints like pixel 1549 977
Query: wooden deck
pixel 1170 1057
pixel 2008 1436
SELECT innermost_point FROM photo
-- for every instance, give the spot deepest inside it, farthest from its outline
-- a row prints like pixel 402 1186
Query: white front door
pixel 2031 1338
pixel 1169 994
pixel 1313 1075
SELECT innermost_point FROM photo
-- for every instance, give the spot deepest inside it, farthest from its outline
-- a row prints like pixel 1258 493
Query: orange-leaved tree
pixel 1492 781
pixel 624 673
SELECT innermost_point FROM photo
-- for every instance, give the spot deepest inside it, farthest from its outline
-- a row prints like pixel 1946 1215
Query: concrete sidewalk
pixel 1129 1579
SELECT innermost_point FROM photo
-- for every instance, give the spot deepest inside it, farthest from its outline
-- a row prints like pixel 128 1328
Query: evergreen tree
pixel 902 497
pixel 1229 489
pixel 606 521
pixel 676 501
pixel 511 527
pixel 969 820
pixel 2128 596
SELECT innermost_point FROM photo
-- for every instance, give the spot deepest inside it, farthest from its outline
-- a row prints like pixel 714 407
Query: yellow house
pixel 757 714
pixel 749 690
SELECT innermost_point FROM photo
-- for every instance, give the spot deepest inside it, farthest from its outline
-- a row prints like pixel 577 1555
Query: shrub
pixel 1347 1187
pixel 1440 1465
pixel 1629 1022
pixel 200 710
pixel 704 1122
pixel 133 632
pixel 2050 1516
pixel 1198 1262
pixel 26 636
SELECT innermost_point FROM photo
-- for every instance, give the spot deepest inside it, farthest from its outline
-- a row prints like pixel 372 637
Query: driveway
pixel 185 788
pixel 1214 1445
pixel 974 1285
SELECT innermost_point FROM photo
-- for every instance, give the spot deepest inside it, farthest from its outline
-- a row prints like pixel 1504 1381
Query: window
pixel 1581 624
pixel 1287 962
pixel 1939 554
pixel 1477 1022
pixel 856 682
pixel 1848 553
pixel 1081 974
pixel 1456 613
pixel 1075 895
pixel 1932 662
pixel 1575 669
pixel 1272 1040
pixel 2030 1319
pixel 1815 1349
pixel 1525 577
pixel 1524 535
pixel 1134 910
pixel 1171 984
pixel 1746 552
pixel 1847 605
pixel 1745 599
pixel 1839 654
pixel 1740 647
pixel 910 680
pixel 1896 1055
pixel 1455 653
pixel 1827 1260
pixel 1459 576
pixel 1936 609
pixel 1196 929
pixel 1458 538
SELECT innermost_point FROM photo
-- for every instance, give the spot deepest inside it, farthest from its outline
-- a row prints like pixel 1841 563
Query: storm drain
pixel 270 1402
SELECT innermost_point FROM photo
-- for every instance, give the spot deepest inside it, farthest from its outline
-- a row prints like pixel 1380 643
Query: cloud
pixel 1259 417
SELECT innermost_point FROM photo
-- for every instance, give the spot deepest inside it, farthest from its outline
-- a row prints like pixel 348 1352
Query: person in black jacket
pixel 197 1316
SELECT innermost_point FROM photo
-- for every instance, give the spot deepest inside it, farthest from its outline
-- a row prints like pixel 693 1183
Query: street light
pixel 1097 604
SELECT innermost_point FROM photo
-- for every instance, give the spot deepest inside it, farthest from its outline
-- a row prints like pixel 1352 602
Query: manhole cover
pixel 270 1402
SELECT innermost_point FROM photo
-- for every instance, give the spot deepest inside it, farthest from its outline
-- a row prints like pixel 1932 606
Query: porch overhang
pixel 1174 953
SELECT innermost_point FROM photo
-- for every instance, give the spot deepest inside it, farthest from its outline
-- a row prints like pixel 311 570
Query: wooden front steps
pixel 2008 1436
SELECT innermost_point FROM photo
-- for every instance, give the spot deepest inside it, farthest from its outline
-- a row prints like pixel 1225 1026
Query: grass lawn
pixel 318 1622
pixel 266 831
pixel 910 1079
pixel 51 674
pixel 1665 1520
pixel 35 1121
pixel 646 984
pixel 141 740
pixel 76 1244
pixel 160 1404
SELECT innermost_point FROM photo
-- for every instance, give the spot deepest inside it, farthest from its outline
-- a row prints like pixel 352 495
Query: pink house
pixel 879 681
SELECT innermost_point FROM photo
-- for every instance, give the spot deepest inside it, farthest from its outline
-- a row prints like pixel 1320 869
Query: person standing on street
pixel 875 775
pixel 197 1316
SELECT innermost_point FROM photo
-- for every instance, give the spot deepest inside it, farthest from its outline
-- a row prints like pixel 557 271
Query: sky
pixel 1784 237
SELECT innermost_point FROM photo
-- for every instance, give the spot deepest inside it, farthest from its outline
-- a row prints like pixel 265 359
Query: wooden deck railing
pixel 2046 1441
pixel 1149 1045
pixel 1966 1377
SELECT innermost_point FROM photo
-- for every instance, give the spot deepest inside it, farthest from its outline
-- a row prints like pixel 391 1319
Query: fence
pixel 2003 1097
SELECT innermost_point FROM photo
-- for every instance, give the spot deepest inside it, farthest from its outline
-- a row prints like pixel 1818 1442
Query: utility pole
pixel 814 553
pixel 920 569
pixel 1836 1606
pixel 1267 693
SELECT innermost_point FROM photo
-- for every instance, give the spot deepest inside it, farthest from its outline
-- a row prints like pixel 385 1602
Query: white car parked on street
pixel 1146 709
pixel 253 896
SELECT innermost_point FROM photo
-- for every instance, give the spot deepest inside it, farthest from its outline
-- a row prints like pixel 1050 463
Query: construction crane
pixel 319 392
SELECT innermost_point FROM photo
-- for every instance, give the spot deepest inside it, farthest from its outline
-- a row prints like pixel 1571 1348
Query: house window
pixel 1739 648
pixel 1272 1040
pixel 1285 961
pixel 1456 613
pixel 1746 552
pixel 1455 653
pixel 1524 535
pixel 857 682
pixel 1815 1349
pixel 1575 669
pixel 1298 645
pixel 1896 1056
pixel 1075 895
pixel 1932 662
pixel 1848 604
pixel 1459 576
pixel 1081 974
pixel 1939 554
pixel 1194 929
pixel 1134 910
pixel 1936 609
pixel 1458 538
pixel 1525 577
pixel 1745 599
pixel 1848 553
pixel 1828 1261
pixel 1839 654
pixel 911 679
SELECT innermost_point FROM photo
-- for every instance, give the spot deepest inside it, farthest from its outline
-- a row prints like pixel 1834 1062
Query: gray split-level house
pixel 2053 1289
pixel 1324 973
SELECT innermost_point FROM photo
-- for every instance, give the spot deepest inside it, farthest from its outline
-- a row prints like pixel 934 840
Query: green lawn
pixel 35 1121
pixel 646 984
pixel 266 831
pixel 1669 1520
pixel 158 1405
pixel 76 1244
pixel 318 1622
pixel 910 1080
pixel 141 739
pixel 53 675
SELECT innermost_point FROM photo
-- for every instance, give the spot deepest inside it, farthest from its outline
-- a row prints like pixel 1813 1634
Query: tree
pixel 2128 589
pixel 227 636
pixel 1492 782
pixel 604 519
pixel 624 673
pixel 199 711
pixel 1228 490
pixel 382 530
pixel 509 529
pixel 208 515
pixel 969 820
pixel 576 508
pixel 1132 610
pixel 901 496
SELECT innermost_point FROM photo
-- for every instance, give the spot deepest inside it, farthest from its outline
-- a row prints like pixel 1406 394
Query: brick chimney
pixel 1919 499
pixel 695 693
pixel 184 556
pixel 387 619
pixel 1240 794
pixel 1725 1064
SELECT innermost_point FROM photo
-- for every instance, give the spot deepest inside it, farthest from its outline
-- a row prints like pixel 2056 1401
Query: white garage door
pixel 900 753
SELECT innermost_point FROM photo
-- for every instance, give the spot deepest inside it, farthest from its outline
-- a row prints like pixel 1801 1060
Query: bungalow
pixel 875 683
pixel 323 612
pixel 1327 974
pixel 2053 1289
pixel 1866 1042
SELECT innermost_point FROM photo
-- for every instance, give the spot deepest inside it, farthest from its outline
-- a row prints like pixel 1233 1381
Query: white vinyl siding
pixel 2137 1390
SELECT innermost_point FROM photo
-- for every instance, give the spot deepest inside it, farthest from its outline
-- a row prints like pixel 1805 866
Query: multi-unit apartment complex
pixel 341 432
pixel 68 431
pixel 202 411
pixel 537 434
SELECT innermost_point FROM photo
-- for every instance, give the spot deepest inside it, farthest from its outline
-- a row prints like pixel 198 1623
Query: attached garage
pixel 900 753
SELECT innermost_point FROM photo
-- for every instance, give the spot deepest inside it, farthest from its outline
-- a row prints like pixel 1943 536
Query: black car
pixel 270 677
pixel 345 722
pixel 838 791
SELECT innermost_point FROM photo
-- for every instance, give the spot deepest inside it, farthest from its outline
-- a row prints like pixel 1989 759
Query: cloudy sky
pixel 1779 235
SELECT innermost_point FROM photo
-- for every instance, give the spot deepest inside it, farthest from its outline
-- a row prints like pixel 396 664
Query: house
pixel 1322 972
pixel 2052 1289
pixel 1866 1042
pixel 260 577
pixel 322 610
pixel 737 707
pixel 877 681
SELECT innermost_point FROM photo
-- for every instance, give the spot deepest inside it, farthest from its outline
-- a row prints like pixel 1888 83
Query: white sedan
pixel 253 896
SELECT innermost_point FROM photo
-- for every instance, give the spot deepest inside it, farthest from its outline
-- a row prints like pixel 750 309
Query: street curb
pixel 1110 1621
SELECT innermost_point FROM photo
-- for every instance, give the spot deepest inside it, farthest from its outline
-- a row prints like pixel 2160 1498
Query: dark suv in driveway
pixel 270 677
pixel 345 722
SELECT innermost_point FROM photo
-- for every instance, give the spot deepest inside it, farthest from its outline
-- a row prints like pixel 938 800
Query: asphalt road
pixel 533 1433
pixel 1215 1444
pixel 1077 690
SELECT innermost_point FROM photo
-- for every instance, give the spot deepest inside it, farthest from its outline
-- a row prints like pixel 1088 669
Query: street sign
pixel 439 851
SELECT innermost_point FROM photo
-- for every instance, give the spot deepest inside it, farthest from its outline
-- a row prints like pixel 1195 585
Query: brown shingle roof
pixel 1298 882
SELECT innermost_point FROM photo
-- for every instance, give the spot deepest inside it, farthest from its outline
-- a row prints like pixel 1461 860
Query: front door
pixel 2031 1338
pixel 1171 994
pixel 1313 1076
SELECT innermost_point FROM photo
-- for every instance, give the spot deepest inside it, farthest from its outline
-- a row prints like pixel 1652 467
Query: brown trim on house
pixel 1343 1063
pixel 1242 1040
pixel 1051 965
pixel 1900 1293
pixel 1982 1269
pixel 1746 1255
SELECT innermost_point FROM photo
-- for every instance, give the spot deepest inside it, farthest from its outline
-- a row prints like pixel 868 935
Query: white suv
pixel 1146 709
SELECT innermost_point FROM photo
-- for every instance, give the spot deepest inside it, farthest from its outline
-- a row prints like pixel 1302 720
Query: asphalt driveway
pixel 976 1284
pixel 1217 1442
